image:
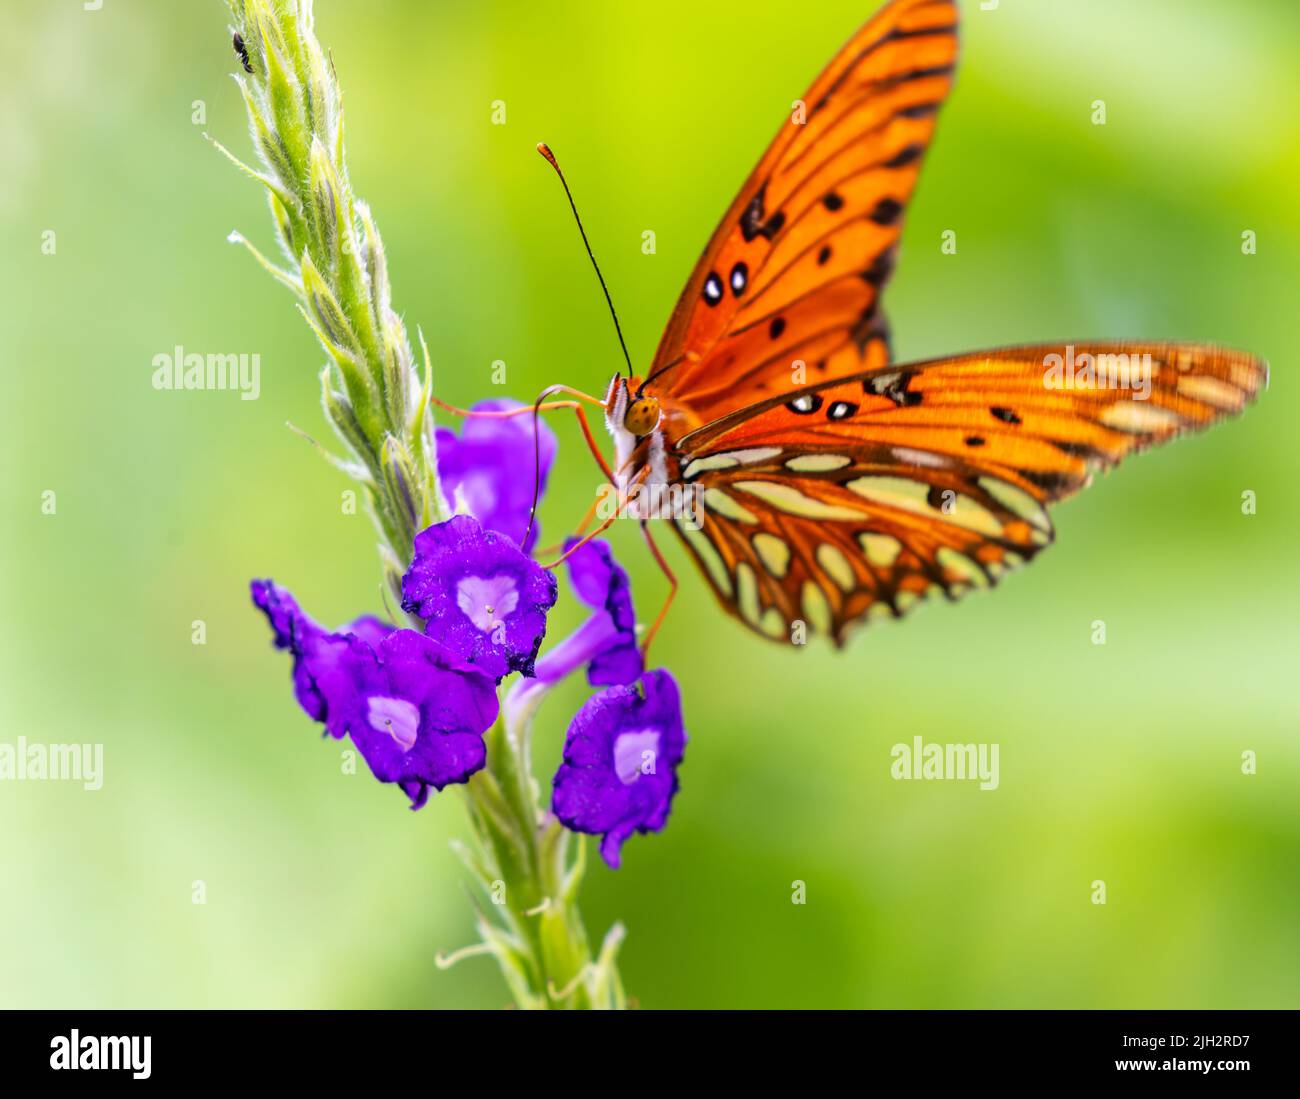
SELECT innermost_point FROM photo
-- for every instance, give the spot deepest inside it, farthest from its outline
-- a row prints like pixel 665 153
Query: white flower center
pixel 394 716
pixel 634 754
pixel 488 601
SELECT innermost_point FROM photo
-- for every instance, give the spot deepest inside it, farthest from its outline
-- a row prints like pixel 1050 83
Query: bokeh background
pixel 1120 763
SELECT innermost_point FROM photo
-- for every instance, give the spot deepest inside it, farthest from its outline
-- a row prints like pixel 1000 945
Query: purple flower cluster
pixel 416 705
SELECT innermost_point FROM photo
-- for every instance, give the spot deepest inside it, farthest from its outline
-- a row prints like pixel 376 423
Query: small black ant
pixel 242 50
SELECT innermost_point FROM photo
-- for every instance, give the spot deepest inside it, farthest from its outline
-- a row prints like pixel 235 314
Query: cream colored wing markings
pixel 780 551
pixel 864 496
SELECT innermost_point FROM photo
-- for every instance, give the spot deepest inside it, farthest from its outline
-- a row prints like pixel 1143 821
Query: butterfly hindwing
pixel 871 491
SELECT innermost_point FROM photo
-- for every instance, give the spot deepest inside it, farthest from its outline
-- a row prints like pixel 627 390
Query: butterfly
pixel 837 486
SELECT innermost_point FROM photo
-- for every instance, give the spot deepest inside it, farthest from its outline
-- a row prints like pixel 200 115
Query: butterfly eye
pixel 806 404
pixel 642 416
pixel 713 288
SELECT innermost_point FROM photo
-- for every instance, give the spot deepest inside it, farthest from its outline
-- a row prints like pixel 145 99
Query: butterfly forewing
pixel 792 277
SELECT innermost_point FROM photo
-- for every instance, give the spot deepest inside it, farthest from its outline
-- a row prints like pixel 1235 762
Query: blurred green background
pixel 1120 763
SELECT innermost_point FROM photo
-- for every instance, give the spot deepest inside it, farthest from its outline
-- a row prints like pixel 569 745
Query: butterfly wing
pixel 793 274
pixel 859 496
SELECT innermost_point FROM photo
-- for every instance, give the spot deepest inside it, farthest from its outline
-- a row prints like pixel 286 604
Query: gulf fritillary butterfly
pixel 875 483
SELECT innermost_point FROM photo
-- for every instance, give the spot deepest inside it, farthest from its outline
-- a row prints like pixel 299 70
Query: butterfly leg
pixel 542 405
pixel 672 590
pixel 578 532
pixel 605 524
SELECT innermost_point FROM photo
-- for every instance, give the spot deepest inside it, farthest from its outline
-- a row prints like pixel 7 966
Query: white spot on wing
pixel 789 499
pixel 713 562
pixel 1140 418
pixel 910 456
pixel 1017 501
pixel 815 608
pixel 966 570
pixel 818 463
pixel 729 459
pixel 882 550
pixel 715 499
pixel 747 593
pixel 773 552
pixel 1211 390
pixel 836 566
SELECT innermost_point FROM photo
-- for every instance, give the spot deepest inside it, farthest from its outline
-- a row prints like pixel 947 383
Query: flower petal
pixel 621 756
pixel 601 582
pixel 417 714
pixel 415 711
pixel 491 465
pixel 316 652
pixel 480 596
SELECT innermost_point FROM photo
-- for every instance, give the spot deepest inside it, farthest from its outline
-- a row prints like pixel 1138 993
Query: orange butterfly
pixel 837 485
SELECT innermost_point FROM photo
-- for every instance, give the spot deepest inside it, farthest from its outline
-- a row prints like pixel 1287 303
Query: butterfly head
pixel 634 421
pixel 628 409
pixel 642 415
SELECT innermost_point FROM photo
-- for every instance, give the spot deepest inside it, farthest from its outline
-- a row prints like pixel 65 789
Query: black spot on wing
pixel 905 156
pixel 754 222
pixel 920 110
pixel 886 211
pixel 894 386
pixel 881 268
pixel 869 326
pixel 1050 482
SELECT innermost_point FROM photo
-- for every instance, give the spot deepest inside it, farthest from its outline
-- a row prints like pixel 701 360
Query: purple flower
pixel 621 755
pixel 481 597
pixel 491 466
pixel 414 710
pixel 317 652
pixel 608 639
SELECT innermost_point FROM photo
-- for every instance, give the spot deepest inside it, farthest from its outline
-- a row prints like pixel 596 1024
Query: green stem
pixel 521 859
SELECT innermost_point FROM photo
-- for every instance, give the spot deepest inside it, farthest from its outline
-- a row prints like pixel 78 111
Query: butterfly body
pixel 640 456
pixel 836 484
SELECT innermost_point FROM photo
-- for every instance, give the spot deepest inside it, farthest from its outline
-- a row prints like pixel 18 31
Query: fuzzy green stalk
pixel 332 259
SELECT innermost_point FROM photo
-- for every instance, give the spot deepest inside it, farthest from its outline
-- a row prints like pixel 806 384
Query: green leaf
pixel 329 315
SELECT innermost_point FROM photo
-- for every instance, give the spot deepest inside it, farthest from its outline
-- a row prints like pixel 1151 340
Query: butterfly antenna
pixel 545 150
pixel 537 465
